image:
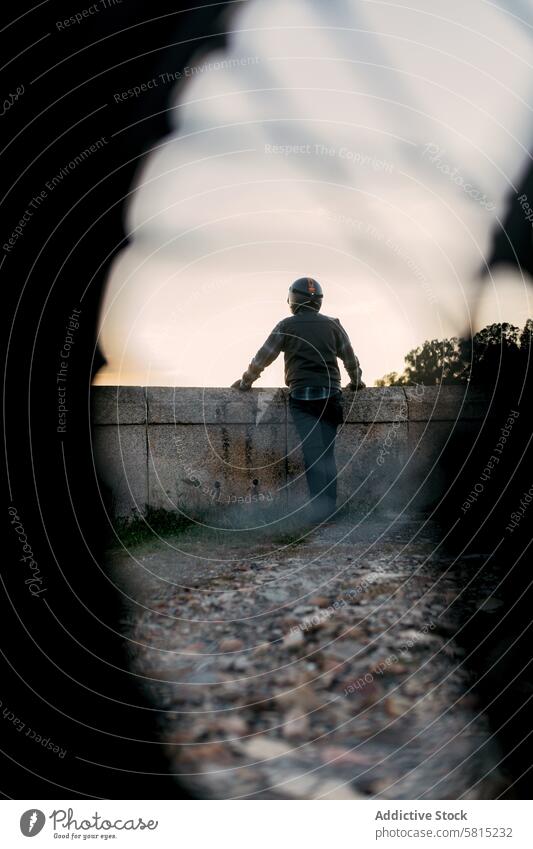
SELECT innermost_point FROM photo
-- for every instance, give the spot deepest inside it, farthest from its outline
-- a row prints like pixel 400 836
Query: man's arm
pixel 266 355
pixel 347 355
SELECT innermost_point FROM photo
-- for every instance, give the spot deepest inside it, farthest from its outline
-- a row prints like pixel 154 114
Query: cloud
pixel 303 149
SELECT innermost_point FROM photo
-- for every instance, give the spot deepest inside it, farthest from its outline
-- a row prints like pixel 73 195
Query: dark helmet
pixel 305 292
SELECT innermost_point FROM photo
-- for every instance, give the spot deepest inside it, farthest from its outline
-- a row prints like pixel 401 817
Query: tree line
pixel 497 351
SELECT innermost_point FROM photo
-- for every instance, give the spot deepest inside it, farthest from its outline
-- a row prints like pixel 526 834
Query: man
pixel 311 343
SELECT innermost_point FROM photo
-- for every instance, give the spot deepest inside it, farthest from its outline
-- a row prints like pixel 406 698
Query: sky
pixel 370 145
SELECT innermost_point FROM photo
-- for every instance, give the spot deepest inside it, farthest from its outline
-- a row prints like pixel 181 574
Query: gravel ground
pixel 329 666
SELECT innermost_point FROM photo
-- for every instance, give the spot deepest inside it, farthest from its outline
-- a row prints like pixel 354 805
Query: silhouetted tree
pixel 435 361
pixel 526 336
pixel 494 353
pixel 391 379
pixel 498 351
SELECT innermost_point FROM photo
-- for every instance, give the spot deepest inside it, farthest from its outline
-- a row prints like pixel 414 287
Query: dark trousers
pixel 317 423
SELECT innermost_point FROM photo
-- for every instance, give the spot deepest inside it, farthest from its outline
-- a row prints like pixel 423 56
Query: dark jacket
pixel 311 343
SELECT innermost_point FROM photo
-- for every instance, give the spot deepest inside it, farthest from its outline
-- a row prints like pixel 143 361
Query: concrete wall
pixel 197 450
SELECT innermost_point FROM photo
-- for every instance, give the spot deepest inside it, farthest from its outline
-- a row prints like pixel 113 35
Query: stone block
pixel 435 449
pixel 369 458
pixel 121 462
pixel 118 405
pixel 199 469
pixel 296 485
pixel 370 462
pixel 213 447
pixel 190 405
pixel 375 405
pixel 444 403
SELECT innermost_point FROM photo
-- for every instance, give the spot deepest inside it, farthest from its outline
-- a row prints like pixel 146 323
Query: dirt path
pixel 326 669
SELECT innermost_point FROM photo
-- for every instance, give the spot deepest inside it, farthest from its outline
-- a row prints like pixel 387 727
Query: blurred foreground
pixel 327 665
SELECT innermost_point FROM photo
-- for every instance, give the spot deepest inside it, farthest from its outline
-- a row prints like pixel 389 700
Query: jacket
pixel 311 343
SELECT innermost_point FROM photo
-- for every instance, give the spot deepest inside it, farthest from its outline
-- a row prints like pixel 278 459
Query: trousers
pixel 317 423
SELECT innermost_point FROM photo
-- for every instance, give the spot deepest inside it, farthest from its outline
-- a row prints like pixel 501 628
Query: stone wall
pixel 198 450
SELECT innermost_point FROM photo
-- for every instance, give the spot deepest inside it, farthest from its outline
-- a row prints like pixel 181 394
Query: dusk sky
pixel 367 144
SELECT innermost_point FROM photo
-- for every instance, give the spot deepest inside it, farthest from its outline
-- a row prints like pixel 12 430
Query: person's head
pixel 305 293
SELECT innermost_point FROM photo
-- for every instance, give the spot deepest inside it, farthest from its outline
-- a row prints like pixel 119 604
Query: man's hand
pixel 239 384
pixel 353 387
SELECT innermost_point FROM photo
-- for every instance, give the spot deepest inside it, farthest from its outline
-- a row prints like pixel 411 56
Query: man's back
pixel 311 344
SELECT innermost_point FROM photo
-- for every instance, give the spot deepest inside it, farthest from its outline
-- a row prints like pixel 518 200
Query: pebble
pixel 319 601
pixel 295 724
pixel 264 713
pixel 230 644
pixel 294 639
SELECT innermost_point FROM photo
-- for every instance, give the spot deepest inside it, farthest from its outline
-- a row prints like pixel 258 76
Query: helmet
pixel 305 292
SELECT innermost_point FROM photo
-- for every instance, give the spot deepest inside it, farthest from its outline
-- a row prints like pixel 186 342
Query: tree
pixel 497 351
pixel 391 379
pixel 526 336
pixel 436 361
pixel 494 352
